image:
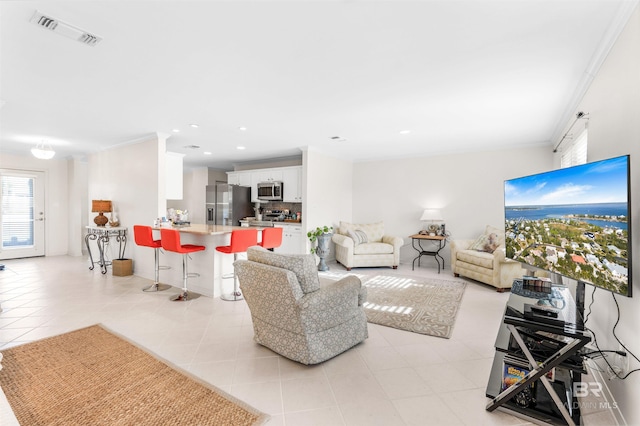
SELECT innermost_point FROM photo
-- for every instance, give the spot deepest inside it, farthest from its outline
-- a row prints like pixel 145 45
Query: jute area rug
pixel 421 305
pixel 93 377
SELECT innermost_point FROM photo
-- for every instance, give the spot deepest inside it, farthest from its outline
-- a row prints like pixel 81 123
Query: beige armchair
pixel 294 314
pixel 490 268
pixel 365 245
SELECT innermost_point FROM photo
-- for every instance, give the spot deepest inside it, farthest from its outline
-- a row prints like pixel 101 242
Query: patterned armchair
pixel 293 314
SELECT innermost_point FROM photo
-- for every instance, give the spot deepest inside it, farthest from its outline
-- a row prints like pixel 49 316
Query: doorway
pixel 22 214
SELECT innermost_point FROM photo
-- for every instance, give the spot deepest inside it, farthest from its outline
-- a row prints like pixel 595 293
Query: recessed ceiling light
pixel 242 128
pixel 405 132
pixel 240 147
pixel 195 126
pixel 206 153
pixel 176 130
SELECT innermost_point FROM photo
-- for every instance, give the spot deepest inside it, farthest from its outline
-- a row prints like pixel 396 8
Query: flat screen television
pixel 573 222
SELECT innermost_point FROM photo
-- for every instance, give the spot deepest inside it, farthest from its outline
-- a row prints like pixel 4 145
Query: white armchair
pixel 469 259
pixel 365 245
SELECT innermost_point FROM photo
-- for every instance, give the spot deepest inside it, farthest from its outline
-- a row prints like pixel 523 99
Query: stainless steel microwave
pixel 270 191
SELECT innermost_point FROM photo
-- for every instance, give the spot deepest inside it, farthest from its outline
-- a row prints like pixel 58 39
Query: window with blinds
pixel 17 211
pixel 575 153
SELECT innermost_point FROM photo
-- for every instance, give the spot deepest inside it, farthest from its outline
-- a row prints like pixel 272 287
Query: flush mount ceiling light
pixel 176 130
pixel 240 147
pixel 207 153
pixel 242 128
pixel 43 151
pixel 405 132
pixel 64 29
pixel 194 125
pixel 338 138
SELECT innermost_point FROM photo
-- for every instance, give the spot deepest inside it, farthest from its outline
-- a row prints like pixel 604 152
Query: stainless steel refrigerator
pixel 227 204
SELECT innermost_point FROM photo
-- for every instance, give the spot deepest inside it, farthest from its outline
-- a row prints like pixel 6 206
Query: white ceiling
pixel 460 75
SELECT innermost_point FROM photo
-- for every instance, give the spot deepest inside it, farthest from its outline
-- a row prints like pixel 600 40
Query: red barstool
pixel 143 236
pixel 170 239
pixel 271 238
pixel 241 240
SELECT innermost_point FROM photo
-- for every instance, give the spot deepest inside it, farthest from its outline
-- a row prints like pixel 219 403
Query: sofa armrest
pixel 396 242
pixel 499 254
pixel 456 246
pixel 343 240
pixel 333 304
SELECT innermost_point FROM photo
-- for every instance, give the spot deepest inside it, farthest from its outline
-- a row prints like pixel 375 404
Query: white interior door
pixel 22 215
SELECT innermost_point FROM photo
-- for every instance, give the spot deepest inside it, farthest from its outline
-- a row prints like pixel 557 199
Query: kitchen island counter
pixel 203 229
pixel 210 264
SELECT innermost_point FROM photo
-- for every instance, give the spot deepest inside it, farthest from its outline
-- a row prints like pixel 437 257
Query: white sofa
pixel 489 268
pixel 353 249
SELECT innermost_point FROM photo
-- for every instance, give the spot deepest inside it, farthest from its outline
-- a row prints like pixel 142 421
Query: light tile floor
pixel 393 378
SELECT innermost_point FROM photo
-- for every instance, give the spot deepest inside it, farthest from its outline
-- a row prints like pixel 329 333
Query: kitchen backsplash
pixel 279 205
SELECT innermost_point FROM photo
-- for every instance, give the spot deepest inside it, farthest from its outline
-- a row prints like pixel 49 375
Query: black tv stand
pixel 538 356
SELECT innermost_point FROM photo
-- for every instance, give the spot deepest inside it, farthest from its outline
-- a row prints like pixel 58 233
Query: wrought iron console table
pixel 102 236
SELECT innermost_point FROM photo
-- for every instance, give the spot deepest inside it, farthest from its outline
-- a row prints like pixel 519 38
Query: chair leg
pixel 156 286
pixel 185 294
pixel 237 294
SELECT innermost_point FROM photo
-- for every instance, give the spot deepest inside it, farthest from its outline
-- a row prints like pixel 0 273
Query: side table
pixel 102 234
pixel 437 242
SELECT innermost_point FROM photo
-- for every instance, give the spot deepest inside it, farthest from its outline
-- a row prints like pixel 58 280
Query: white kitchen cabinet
pixel 291 239
pixel 173 173
pixel 239 178
pixel 292 182
pixel 267 175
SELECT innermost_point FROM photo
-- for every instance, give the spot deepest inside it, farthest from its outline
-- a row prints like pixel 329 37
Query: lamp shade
pixel 101 206
pixel 432 215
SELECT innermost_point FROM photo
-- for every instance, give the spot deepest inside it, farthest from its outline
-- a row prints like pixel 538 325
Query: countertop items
pixel 202 229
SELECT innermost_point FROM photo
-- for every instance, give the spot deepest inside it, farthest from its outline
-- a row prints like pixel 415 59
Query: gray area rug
pixel 420 305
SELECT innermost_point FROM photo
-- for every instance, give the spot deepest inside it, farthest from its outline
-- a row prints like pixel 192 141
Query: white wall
pixel 78 204
pixel 613 104
pixel 132 176
pixel 194 184
pixel 468 188
pixel 327 191
pixel 56 197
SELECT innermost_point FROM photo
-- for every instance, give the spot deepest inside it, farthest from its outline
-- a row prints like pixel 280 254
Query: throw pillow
pixel 493 241
pixel 487 243
pixel 479 243
pixel 358 236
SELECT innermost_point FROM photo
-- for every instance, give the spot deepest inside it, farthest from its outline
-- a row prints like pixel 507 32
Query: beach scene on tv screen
pixel 572 221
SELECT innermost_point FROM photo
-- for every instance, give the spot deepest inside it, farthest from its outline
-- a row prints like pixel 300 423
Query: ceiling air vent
pixel 64 29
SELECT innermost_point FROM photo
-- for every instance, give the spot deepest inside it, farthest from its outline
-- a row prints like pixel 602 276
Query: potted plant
pixel 320 238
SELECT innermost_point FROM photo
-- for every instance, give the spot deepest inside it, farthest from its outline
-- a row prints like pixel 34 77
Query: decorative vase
pixel 322 250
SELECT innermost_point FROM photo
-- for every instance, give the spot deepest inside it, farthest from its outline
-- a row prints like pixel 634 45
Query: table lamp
pixel 433 216
pixel 100 207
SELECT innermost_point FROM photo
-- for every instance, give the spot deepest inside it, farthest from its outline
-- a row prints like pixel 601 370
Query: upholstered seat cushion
pixel 373 248
pixel 303 266
pixel 478 258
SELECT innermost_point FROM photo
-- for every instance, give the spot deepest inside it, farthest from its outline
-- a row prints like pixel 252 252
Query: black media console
pixel 537 358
